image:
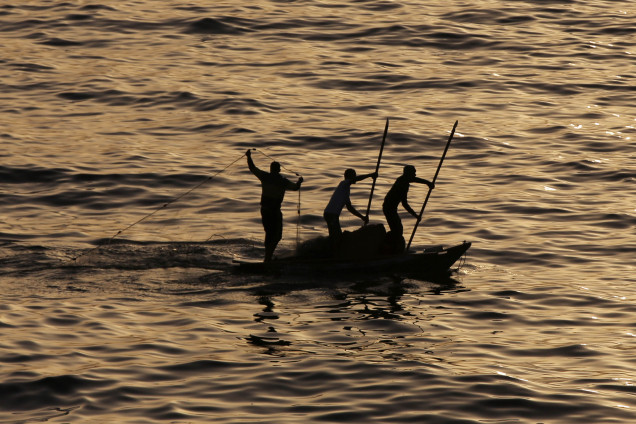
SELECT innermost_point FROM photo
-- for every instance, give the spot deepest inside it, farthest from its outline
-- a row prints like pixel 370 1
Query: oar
pixel 377 166
pixel 419 218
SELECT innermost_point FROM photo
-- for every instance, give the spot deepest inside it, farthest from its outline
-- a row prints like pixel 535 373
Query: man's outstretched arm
pixel 250 163
pixel 373 175
pixel 423 181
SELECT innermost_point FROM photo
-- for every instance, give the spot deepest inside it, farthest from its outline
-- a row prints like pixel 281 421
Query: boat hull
pixel 434 261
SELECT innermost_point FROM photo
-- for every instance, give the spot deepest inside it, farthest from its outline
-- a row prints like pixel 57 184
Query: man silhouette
pixel 396 195
pixel 339 199
pixel 273 186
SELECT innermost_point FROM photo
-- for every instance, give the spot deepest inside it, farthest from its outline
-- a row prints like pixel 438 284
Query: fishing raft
pixel 369 249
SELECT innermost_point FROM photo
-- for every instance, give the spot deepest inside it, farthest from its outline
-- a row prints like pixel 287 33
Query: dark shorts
pixel 393 219
pixel 333 224
pixel 272 219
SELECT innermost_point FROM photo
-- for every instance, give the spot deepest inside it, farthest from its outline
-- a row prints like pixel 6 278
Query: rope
pixel 462 262
pixel 139 221
pixel 268 156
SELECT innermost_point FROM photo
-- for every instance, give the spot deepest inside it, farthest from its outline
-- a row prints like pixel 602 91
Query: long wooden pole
pixel 377 166
pixel 419 218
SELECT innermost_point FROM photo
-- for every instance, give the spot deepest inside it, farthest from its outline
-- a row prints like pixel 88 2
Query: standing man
pixel 273 186
pixel 339 199
pixel 396 195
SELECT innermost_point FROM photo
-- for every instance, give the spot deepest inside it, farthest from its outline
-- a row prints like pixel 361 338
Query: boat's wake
pixel 19 259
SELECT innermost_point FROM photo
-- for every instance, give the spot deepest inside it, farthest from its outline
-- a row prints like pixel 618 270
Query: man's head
pixel 409 171
pixel 350 174
pixel 274 168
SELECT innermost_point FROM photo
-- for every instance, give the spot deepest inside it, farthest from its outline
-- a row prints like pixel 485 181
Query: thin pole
pixel 419 218
pixel 377 166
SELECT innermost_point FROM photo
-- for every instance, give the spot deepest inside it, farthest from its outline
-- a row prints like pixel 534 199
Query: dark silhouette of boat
pixel 361 251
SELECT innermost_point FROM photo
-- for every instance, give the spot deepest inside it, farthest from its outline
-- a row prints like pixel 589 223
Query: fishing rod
pixel 377 167
pixel 419 218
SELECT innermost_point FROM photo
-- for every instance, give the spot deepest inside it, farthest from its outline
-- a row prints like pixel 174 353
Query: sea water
pixel 125 195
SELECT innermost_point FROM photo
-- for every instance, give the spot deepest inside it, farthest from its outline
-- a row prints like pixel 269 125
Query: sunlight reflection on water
pixel 110 111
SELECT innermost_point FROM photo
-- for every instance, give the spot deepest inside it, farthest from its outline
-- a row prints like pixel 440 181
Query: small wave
pixel 617 30
pixel 118 181
pixel 214 26
pixel 97 7
pixel 60 42
pixel 23 358
pixel 170 100
pixel 49 391
pixel 35 174
pixel 582 171
pixel 534 409
pixel 204 366
pixel 614 221
pixel 571 351
pixel 487 16
pixel 31 67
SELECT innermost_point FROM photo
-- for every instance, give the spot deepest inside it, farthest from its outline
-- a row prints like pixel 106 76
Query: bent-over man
pixel 339 199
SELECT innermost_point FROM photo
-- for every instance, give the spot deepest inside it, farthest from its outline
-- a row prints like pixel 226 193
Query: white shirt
pixel 339 197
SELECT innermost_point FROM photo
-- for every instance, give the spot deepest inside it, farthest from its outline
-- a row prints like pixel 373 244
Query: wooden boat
pixel 431 261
